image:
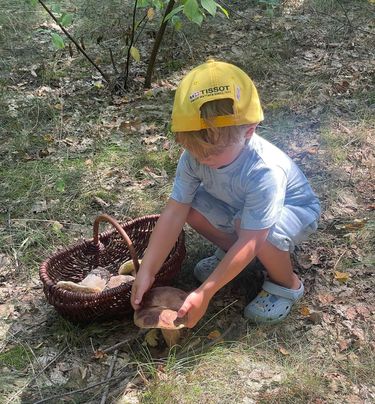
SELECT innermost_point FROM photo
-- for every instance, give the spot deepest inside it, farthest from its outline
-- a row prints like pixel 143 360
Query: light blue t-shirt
pixel 258 183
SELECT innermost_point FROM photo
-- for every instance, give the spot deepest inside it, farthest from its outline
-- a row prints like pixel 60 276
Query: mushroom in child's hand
pixel 128 268
pixel 159 310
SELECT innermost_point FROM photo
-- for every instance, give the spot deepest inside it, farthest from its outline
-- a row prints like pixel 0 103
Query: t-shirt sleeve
pixel 264 199
pixel 186 181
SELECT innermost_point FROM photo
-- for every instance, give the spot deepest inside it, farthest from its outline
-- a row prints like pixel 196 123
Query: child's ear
pixel 250 131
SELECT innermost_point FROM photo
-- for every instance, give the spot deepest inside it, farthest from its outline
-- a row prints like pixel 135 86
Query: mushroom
pixel 118 280
pixel 76 287
pixel 128 268
pixel 94 282
pixel 159 310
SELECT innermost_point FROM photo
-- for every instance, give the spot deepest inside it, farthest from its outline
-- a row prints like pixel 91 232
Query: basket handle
pixel 106 218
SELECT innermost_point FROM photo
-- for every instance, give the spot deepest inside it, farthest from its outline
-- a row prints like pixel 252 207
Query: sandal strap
pixel 277 290
pixel 219 254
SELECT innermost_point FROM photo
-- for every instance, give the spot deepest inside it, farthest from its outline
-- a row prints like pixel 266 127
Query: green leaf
pixel 58 41
pixel 223 10
pixel 33 3
pixel 60 185
pixel 66 19
pixel 173 13
pixel 55 8
pixel 135 54
pixel 176 22
pixel 210 6
pixel 269 12
pixel 158 4
pixel 192 12
pixel 56 227
pixel 143 3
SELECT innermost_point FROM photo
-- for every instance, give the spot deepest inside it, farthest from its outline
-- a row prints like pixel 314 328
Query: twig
pixel 130 45
pixel 337 262
pixel 209 344
pixel 346 14
pixel 69 393
pixel 74 41
pixel 142 28
pixel 113 61
pixel 157 42
pixel 215 315
pixel 108 378
pixel 10 400
pixel 126 341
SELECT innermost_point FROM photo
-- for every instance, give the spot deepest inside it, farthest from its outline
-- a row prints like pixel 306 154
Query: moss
pixel 16 357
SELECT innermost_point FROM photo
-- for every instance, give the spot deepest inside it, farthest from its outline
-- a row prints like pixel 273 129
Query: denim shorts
pixel 295 224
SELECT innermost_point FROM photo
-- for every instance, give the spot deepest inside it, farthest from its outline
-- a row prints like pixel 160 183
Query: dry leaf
pixel 363 311
pixel 98 354
pixel 305 311
pixel 39 206
pixel 214 334
pixel 344 344
pixel 351 313
pixel 326 298
pixel 283 350
pixel 150 13
pixel 342 276
pixel 316 317
pixel 359 334
pixel 152 338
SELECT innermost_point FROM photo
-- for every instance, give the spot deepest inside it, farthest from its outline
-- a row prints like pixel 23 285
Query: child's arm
pixel 235 260
pixel 162 239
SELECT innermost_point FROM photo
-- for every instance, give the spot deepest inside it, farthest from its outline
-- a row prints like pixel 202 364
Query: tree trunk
pixel 155 49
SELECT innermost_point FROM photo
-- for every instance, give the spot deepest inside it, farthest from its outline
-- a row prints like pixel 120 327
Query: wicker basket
pixel 107 250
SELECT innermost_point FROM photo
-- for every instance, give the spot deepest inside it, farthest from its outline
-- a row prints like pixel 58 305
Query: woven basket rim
pixel 78 298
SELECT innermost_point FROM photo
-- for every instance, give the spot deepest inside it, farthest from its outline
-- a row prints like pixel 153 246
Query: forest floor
pixel 70 150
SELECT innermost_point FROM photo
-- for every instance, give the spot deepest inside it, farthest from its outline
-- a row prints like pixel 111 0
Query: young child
pixel 237 190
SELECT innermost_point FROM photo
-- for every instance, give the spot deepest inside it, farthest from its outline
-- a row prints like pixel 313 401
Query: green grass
pixel 250 368
pixel 17 358
pixel 112 167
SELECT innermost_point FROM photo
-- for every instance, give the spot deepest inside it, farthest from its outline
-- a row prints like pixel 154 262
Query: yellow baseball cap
pixel 210 81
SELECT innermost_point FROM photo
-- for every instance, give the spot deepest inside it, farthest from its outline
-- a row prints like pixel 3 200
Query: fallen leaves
pixel 283 350
pixel 305 311
pixel 325 298
pixel 39 206
pixel 213 335
pixel 342 277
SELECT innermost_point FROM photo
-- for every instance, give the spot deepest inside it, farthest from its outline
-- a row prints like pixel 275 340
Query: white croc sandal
pixel 272 304
pixel 206 266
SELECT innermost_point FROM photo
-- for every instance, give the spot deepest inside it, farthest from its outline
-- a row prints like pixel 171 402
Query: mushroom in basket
pixel 100 279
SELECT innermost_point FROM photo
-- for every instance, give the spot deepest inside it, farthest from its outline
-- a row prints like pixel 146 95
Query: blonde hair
pixel 210 141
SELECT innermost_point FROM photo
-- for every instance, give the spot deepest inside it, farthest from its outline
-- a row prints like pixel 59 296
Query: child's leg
pixel 283 288
pixel 278 265
pixel 201 225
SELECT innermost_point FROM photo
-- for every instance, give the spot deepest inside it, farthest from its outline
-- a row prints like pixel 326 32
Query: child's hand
pixel 195 305
pixel 143 282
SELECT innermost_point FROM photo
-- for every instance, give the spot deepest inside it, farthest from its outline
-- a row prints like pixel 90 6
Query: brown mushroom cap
pixel 159 309
pixel 164 296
